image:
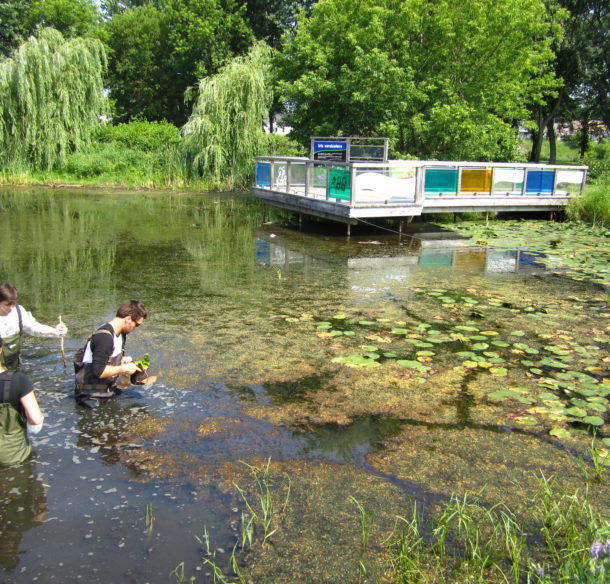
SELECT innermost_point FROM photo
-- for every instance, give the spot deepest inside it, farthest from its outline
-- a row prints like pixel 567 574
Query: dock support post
pixel 300 221
pixel 400 224
pixel 349 230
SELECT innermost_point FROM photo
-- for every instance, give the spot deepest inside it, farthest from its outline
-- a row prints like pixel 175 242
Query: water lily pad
pixel 400 331
pixel 526 420
pixel 480 346
pixel 560 433
pixel 548 396
pixel 517 333
pixel 412 365
pixel 500 343
pixel 366 322
pixel 425 353
pixel 576 412
pixel 593 420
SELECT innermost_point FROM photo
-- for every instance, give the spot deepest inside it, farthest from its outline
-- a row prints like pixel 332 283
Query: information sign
pixel 335 150
pixel 339 184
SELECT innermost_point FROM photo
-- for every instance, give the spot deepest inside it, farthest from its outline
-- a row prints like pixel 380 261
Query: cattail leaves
pixel 51 95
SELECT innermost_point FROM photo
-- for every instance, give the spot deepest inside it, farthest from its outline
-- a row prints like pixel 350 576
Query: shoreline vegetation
pixel 147 156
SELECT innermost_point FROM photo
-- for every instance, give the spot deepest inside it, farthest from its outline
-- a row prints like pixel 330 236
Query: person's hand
pixel 61 329
pixel 129 367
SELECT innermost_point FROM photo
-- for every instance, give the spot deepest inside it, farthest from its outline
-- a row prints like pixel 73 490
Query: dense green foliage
pixel 449 84
pixel 157 53
pixel 225 132
pixel 443 80
pixel 50 98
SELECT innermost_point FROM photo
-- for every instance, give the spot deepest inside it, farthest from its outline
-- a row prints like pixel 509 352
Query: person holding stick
pixel 16 320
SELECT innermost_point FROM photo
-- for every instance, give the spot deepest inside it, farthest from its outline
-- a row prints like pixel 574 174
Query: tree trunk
pixel 584 134
pixel 550 132
pixel 537 137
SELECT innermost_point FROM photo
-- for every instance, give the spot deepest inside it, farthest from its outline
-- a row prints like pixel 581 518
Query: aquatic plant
pixel 263 509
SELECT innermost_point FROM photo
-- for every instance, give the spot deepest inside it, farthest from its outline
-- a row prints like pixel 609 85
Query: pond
pixel 369 372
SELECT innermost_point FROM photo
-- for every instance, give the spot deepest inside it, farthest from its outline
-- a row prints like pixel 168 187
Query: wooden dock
pixel 351 191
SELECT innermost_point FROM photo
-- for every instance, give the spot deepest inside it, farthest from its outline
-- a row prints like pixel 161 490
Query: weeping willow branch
pixel 51 95
pixel 225 130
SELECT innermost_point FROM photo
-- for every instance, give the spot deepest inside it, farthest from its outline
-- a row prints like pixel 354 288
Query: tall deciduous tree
pixel 225 130
pixel 13 25
pixel 137 50
pixel 444 79
pixel 70 17
pixel 188 39
pixel 51 95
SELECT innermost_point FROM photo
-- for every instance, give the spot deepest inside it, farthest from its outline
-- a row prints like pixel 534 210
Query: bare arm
pixel 32 409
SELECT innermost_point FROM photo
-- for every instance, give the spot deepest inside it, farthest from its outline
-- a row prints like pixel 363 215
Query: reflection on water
pixel 234 374
pixel 23 505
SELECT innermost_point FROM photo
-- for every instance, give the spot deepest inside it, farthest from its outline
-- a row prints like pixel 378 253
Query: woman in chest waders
pixel 14 321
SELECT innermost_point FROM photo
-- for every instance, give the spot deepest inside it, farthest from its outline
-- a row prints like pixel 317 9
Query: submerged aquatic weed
pixel 264 511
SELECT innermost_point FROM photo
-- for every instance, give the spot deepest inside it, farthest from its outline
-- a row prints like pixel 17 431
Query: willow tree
pixel 225 129
pixel 51 95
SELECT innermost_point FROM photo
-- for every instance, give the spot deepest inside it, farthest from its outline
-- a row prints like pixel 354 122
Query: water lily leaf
pixel 465 354
pixel 606 441
pixel 366 322
pixel 400 331
pixel 536 371
pixel 526 420
pixel 371 355
pixel 324 325
pixel 480 346
pixel 576 412
pixel 597 407
pixel 470 364
pixel 368 348
pixel 560 433
pixel 412 365
pixel 499 371
pixel 425 353
pixel 593 420
pixel 500 343
pixel 461 327
pixel 489 333
pixel 548 396
pixel 335 333
pixel 390 355
pixel 527 363
pixel 579 402
pixel 339 316
pixel 517 333
pixel 349 333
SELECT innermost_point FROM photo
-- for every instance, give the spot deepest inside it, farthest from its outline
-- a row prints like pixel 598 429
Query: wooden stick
pixel 63 353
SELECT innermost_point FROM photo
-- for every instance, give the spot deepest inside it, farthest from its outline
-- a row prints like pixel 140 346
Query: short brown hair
pixel 8 293
pixel 133 308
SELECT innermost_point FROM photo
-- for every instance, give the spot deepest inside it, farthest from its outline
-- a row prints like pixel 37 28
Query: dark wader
pixel 91 394
pixel 11 346
pixel 14 445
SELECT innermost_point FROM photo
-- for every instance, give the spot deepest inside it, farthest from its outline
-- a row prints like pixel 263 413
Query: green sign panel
pixel 339 184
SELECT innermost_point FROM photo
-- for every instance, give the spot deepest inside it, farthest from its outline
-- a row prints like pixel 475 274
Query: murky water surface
pixel 366 368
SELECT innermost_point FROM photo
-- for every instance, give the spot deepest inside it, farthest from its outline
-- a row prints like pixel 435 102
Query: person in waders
pixel 99 363
pixel 19 414
pixel 16 320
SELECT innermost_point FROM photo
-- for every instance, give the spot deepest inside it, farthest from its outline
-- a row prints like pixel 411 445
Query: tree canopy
pixel 442 79
pixel 51 95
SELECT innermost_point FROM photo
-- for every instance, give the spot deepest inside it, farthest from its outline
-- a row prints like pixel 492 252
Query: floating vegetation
pixel 545 376
pixel 576 250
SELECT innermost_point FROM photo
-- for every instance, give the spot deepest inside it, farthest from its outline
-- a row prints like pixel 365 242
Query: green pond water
pixel 374 369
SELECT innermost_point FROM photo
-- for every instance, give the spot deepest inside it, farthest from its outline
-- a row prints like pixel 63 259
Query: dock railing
pixel 418 182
